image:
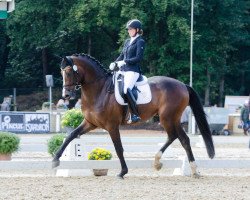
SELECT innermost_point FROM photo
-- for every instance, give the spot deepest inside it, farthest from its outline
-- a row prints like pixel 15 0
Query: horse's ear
pixel 66 61
pixel 63 63
pixel 69 61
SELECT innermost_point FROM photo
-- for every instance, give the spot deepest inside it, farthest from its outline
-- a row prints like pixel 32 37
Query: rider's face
pixel 131 32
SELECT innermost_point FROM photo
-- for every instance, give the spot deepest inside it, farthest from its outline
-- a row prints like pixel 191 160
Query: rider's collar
pixel 133 38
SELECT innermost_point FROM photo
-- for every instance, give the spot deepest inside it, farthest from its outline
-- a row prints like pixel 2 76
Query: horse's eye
pixel 68 73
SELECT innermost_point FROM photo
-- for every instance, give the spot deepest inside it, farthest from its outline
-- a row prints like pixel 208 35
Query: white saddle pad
pixel 144 93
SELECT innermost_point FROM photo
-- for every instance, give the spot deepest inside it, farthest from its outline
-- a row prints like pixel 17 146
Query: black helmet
pixel 134 23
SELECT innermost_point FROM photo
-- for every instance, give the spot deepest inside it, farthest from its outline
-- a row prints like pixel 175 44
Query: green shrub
pixel 55 142
pixel 72 118
pixel 9 143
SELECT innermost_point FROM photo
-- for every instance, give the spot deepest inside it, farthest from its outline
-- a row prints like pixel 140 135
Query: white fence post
pixel 185 168
pixel 75 151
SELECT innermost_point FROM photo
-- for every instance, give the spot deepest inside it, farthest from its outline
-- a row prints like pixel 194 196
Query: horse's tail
pixel 201 120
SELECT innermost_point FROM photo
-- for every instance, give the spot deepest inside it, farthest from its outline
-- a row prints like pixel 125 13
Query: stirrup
pixel 133 119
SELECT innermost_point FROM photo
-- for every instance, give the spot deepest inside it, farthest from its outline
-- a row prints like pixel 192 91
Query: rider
pixel 128 63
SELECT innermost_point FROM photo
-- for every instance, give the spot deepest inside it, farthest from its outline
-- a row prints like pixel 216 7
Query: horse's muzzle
pixel 68 94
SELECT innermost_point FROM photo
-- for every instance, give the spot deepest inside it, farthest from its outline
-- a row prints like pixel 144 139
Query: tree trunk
pixel 45 64
pixel 89 45
pixel 207 89
pixel 79 44
pixel 221 91
pixel 5 56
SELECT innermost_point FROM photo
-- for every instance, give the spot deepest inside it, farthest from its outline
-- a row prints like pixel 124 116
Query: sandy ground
pixel 139 184
pixel 176 188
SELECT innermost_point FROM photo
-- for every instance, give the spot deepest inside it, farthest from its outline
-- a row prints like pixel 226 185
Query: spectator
pixel 62 104
pixel 66 103
pixel 5 106
pixel 78 104
pixel 244 116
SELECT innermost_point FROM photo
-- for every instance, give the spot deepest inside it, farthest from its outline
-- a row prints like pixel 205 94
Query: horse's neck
pixel 97 89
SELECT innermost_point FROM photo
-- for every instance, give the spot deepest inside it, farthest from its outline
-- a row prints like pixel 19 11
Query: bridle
pixel 76 82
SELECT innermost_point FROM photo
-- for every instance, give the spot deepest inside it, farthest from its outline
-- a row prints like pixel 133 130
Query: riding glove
pixel 121 63
pixel 112 66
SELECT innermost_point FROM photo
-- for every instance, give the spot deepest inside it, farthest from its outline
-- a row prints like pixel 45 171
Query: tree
pixel 32 29
pixel 219 25
pixel 4 50
pixel 40 32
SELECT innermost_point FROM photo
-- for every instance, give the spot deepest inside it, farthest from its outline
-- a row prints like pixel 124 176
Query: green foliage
pixel 37 31
pixel 54 143
pixel 9 143
pixel 72 118
pixel 100 154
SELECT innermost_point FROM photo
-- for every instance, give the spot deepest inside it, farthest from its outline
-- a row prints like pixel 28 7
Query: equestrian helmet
pixel 134 23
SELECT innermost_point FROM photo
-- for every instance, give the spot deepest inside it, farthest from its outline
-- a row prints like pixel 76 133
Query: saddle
pixel 141 90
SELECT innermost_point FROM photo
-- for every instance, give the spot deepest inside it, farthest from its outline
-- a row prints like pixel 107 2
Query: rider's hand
pixel 112 66
pixel 121 63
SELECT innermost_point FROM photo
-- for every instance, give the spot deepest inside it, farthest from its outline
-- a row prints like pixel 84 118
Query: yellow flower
pixel 100 154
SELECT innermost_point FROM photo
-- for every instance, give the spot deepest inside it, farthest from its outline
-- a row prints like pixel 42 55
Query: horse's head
pixel 81 70
pixel 69 73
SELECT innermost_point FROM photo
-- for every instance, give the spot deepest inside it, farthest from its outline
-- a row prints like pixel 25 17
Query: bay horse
pixel 169 99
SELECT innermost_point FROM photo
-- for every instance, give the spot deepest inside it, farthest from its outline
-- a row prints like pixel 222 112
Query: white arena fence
pixel 115 164
pixel 74 157
pixel 182 165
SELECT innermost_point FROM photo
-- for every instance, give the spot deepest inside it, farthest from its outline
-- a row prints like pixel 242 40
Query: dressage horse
pixel 169 99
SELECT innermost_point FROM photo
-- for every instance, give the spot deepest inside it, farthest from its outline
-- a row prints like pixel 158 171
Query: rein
pixel 76 83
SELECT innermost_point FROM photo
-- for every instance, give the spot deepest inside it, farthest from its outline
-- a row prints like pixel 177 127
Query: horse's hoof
pixel 55 163
pixel 158 166
pixel 122 173
pixel 196 175
pixel 119 176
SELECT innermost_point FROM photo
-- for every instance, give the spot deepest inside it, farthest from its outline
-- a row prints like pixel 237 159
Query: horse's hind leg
pixel 171 137
pixel 185 142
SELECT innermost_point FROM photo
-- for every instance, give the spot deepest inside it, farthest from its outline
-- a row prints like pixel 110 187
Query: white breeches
pixel 130 79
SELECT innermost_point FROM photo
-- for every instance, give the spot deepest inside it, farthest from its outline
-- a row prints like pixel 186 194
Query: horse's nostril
pixel 66 96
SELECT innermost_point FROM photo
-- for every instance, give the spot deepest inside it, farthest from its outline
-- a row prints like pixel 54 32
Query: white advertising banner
pixel 25 122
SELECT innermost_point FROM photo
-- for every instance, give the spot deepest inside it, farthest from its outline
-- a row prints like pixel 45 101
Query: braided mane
pixel 95 61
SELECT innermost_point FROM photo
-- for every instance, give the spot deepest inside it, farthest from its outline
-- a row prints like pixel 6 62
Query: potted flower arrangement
pixel 100 154
pixel 9 143
pixel 54 143
pixel 71 119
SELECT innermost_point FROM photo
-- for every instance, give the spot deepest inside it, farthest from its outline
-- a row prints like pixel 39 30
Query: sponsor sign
pixel 25 122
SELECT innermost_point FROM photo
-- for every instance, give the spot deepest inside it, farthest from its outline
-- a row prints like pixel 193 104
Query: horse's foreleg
pixel 83 128
pixel 115 136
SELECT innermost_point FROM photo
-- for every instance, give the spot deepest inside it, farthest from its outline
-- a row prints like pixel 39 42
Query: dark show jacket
pixel 132 54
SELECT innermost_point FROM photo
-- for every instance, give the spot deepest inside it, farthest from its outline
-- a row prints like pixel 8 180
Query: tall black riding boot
pixel 132 106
